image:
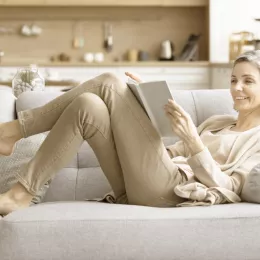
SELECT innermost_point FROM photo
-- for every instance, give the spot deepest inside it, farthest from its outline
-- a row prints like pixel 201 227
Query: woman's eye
pixel 233 81
pixel 249 82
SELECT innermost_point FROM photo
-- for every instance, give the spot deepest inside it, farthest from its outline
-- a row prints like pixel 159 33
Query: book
pixel 152 96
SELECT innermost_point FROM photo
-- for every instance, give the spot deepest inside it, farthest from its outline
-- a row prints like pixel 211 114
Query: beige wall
pixel 143 28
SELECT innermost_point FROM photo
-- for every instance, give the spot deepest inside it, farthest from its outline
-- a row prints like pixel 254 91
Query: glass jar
pixel 234 46
pixel 27 79
pixel 239 43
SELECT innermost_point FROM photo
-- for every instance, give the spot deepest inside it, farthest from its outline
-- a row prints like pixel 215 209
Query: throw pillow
pixel 10 165
pixel 251 188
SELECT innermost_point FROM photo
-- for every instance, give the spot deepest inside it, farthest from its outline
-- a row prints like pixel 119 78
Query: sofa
pixel 67 227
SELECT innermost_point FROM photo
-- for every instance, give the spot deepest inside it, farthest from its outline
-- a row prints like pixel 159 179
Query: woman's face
pixel 245 87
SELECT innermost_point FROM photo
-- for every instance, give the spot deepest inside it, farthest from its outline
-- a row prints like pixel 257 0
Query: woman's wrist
pixel 195 146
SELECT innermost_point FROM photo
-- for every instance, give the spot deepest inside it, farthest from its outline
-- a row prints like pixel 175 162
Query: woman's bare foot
pixel 16 198
pixel 10 133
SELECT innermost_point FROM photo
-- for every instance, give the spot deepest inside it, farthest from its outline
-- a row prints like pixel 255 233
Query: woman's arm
pixel 201 162
pixel 207 171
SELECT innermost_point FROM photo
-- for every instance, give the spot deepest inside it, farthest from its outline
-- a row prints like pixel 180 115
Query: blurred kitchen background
pixel 189 43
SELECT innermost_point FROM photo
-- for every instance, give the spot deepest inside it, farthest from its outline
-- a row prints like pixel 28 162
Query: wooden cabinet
pixel 185 2
pixel 23 3
pixel 81 2
pixel 140 3
pixel 104 2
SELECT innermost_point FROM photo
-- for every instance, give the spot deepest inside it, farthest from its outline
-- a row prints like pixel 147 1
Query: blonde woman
pixel 208 165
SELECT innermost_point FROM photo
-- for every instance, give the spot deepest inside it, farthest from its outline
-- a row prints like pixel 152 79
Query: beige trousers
pixel 104 112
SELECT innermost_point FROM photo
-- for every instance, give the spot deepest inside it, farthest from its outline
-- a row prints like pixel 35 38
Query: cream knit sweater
pixel 216 175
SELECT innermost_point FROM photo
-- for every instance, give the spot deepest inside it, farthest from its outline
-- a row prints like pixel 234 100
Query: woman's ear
pixel 251 188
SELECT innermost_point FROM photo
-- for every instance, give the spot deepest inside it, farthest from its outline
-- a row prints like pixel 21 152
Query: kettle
pixel 166 52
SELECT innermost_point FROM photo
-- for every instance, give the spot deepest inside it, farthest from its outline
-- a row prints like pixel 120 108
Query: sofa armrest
pixel 7 105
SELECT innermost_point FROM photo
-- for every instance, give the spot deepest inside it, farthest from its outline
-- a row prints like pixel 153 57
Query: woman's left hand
pixel 181 122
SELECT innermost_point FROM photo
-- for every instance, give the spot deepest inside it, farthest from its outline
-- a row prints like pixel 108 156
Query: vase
pixel 27 79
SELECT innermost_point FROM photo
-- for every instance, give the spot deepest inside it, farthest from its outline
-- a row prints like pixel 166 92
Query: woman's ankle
pixel 10 133
pixel 15 129
pixel 19 194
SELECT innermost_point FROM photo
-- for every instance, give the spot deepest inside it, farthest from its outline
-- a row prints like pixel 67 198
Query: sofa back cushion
pixel 7 104
pixel 82 177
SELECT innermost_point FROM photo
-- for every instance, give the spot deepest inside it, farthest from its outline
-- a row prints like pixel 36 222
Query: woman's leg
pixel 149 173
pixel 85 118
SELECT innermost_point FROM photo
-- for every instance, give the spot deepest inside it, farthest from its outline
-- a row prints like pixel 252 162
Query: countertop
pixel 107 64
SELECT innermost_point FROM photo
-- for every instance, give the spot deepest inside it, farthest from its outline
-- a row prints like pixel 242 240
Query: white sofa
pixel 65 227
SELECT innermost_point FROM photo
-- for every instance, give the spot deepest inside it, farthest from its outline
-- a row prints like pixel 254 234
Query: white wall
pixel 227 16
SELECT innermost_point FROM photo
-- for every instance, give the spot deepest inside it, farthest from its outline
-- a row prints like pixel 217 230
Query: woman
pixel 214 158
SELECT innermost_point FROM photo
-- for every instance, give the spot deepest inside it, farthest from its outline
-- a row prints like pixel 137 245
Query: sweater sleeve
pixel 208 172
pixel 177 149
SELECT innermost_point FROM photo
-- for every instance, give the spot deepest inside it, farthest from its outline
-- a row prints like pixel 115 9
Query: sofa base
pixel 92 230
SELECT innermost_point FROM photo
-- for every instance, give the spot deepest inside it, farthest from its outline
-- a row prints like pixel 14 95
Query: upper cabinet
pixel 140 3
pixel 185 2
pixel 23 3
pixel 104 2
pixel 81 2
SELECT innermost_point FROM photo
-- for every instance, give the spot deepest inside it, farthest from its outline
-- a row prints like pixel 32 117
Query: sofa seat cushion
pixel 91 230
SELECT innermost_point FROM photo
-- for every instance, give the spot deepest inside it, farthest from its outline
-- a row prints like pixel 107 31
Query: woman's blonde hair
pixel 252 57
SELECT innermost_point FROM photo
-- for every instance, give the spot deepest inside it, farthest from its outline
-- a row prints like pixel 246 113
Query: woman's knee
pixel 91 103
pixel 109 79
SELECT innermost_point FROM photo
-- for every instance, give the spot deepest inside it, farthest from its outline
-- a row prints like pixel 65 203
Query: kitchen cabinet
pixel 23 3
pixel 140 3
pixel 81 2
pixel 177 77
pixel 126 2
pixel 185 2
pixel 104 2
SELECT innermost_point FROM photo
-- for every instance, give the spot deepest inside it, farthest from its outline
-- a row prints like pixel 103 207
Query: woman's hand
pixel 133 76
pixel 183 126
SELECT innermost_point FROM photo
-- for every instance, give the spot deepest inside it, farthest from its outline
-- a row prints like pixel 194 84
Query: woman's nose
pixel 239 86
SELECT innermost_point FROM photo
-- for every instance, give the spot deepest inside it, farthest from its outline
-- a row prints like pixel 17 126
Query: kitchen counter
pixel 221 64
pixel 108 64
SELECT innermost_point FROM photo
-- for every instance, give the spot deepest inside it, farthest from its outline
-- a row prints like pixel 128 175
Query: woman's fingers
pixel 132 76
pixel 172 110
pixel 177 107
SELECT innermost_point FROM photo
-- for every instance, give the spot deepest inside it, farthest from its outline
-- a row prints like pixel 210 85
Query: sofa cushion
pixel 7 105
pixel 251 188
pixel 90 230
pixel 24 150
pixel 29 100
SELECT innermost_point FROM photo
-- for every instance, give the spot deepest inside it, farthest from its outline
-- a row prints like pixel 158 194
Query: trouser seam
pixel 21 123
pixel 97 128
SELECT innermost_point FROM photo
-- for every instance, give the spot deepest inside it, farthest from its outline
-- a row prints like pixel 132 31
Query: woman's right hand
pixel 133 76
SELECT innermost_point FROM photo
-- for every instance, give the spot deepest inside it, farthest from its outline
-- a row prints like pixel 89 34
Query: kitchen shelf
pixel 109 64
pixel 113 3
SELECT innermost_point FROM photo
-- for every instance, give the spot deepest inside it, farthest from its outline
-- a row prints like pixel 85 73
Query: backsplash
pixel 139 28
